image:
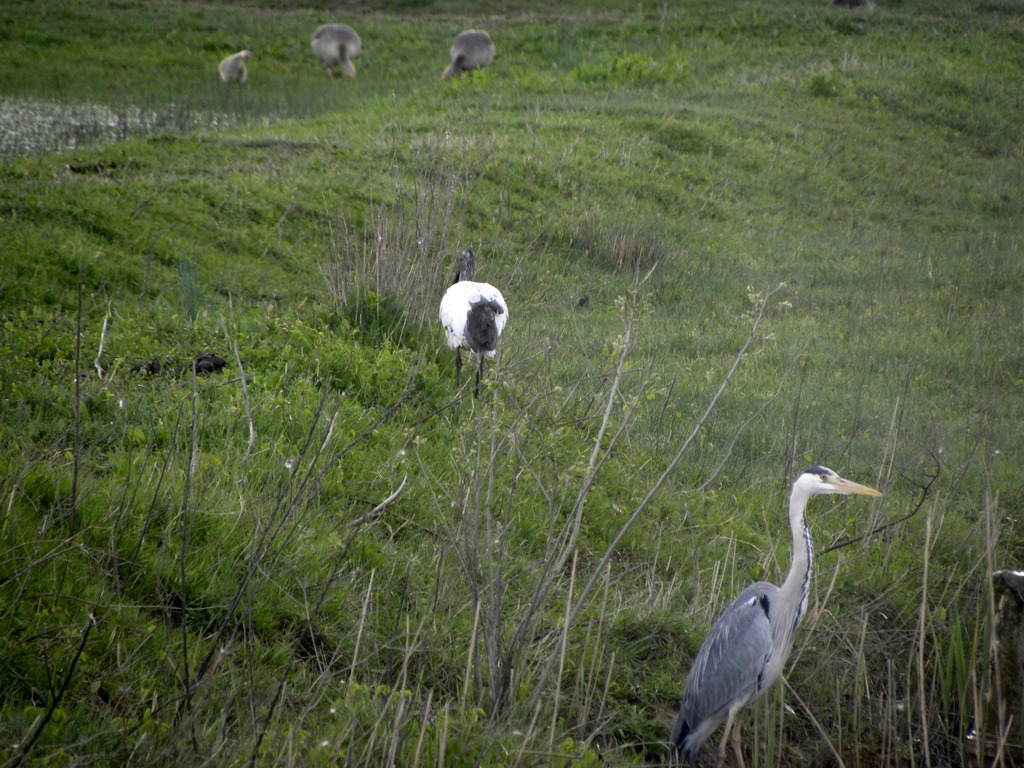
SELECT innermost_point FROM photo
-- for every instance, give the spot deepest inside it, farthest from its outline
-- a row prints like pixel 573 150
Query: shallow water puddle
pixel 33 126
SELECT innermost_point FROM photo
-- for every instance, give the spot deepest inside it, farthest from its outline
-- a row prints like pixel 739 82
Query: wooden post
pixel 996 735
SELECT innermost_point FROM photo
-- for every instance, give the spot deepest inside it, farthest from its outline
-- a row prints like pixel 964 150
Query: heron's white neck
pixel 798 581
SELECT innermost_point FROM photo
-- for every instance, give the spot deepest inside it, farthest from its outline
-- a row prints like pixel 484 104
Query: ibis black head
pixel 467 266
pixel 481 326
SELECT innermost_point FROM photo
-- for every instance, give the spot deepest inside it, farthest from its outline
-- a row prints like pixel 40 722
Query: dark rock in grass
pixel 152 368
pixel 203 365
pixel 100 166
pixel 208 363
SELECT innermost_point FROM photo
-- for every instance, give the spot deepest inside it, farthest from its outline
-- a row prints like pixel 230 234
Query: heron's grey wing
pixel 727 670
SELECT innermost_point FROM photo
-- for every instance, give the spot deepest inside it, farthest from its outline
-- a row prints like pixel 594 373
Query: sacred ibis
pixel 473 315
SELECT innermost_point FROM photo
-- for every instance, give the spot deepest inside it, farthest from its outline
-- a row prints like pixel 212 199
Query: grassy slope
pixel 868 161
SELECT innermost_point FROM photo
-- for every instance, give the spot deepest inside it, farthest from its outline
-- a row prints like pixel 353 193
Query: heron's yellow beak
pixel 848 486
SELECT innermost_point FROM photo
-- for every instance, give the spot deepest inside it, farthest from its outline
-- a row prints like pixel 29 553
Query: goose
pixel 472 49
pixel 232 68
pixel 473 315
pixel 337 44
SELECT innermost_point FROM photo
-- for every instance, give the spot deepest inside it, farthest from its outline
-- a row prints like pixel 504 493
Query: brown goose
pixel 232 68
pixel 337 44
pixel 472 49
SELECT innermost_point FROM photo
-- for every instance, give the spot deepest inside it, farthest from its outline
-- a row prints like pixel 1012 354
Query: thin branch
pixel 736 436
pixel 814 721
pixel 43 719
pixel 193 453
pixel 328 584
pixel 383 505
pixel 103 339
pixel 78 402
pixel 274 527
pixel 878 529
pixel 391 410
pixel 248 406
pixel 565 546
pixel 37 562
pixel 635 515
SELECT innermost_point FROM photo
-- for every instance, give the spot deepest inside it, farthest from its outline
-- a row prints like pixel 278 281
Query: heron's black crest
pixel 820 471
pixel 763 600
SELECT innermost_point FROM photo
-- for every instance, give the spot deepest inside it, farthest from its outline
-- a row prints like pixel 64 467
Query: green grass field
pixel 736 239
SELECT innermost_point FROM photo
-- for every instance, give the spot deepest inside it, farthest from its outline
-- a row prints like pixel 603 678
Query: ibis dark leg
pixel 479 375
pixel 458 366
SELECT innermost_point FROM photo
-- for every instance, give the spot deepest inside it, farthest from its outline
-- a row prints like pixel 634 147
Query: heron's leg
pixel 725 738
pixel 458 366
pixel 736 742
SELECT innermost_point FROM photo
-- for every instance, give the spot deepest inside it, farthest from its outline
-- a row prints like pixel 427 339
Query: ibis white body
pixel 473 316
pixel 456 306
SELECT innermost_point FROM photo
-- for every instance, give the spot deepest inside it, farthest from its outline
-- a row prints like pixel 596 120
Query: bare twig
pixel 736 436
pixel 391 410
pixel 43 719
pixel 288 501
pixel 78 402
pixel 635 515
pixel 565 544
pixel 817 725
pixel 383 505
pixel 37 562
pixel 922 628
pixel 878 529
pixel 324 592
pixel 193 453
pixel 248 406
pixel 103 338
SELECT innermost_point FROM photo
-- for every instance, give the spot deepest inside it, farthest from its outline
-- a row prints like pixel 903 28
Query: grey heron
pixel 472 49
pixel 336 45
pixel 745 651
pixel 473 315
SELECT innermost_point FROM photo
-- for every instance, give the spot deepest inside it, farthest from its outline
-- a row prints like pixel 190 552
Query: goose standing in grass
pixel 472 49
pixel 337 45
pixel 744 653
pixel 232 68
pixel 473 315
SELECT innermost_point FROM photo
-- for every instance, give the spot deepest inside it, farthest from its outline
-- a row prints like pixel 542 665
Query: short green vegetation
pixel 325 553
